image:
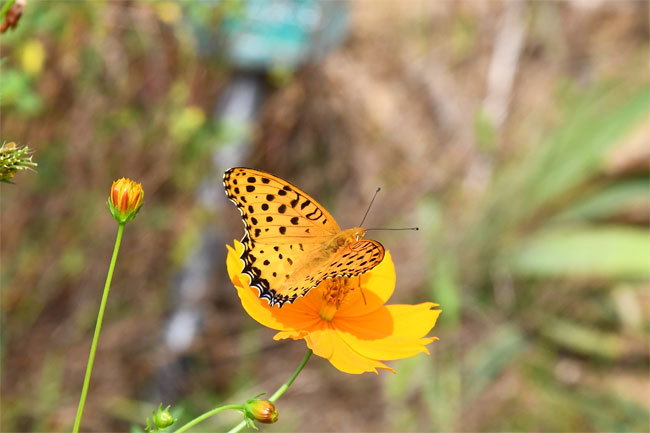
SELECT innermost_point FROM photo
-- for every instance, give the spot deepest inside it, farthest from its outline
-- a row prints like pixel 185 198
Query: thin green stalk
pixel 208 414
pixel 295 374
pixel 5 8
pixel 280 390
pixel 98 327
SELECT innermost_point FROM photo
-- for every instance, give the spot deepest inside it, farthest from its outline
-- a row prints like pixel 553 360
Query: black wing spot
pixel 251 179
pixel 290 261
pixel 269 219
pixel 276 248
pixel 301 248
pixel 305 204
pixel 280 256
pixel 234 181
pixel 294 220
pixel 275 274
pixel 266 180
pixel 250 188
pixel 251 209
pixel 254 221
pixel 257 232
pixel 270 197
pixel 282 208
pixel 265 206
pixel 283 230
pixel 325 221
pixel 282 192
pixel 295 202
pixel 286 188
pixel 236 190
pixel 266 262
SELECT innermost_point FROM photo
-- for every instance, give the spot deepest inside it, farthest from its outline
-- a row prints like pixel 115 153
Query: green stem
pixel 5 8
pixel 208 414
pixel 98 327
pixel 280 390
pixel 295 374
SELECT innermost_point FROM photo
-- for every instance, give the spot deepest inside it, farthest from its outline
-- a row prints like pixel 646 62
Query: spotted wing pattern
pixel 286 231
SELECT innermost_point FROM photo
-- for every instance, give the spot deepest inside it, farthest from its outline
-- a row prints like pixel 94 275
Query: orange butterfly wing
pixel 286 232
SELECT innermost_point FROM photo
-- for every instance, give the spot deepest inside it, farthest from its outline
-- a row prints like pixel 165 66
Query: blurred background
pixel 514 134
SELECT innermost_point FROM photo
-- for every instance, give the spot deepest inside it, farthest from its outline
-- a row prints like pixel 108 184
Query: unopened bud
pixel 125 200
pixel 261 410
pixel 160 420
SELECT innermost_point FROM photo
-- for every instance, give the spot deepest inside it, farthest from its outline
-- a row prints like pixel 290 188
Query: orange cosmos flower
pixel 344 319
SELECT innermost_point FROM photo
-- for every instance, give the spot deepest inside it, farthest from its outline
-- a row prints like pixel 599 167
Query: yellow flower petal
pixel 388 348
pixel 361 333
pixel 413 321
pixel 296 335
pixel 391 332
pixel 350 361
pixel 326 343
pixel 320 340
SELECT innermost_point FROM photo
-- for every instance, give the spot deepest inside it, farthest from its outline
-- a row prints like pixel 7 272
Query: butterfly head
pixel 344 238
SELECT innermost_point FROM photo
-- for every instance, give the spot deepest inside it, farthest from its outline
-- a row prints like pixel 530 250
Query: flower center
pixel 333 292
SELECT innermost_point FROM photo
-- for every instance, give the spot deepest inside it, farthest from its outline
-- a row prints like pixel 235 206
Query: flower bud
pixel 160 420
pixel 261 410
pixel 125 200
pixel 163 418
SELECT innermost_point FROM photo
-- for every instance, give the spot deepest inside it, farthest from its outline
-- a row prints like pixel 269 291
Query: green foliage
pixel 584 252
pixel 533 267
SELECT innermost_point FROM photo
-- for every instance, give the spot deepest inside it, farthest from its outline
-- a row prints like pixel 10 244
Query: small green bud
pixel 160 420
pixel 261 410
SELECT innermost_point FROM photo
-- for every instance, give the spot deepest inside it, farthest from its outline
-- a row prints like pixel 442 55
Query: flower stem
pixel 280 390
pixel 5 8
pixel 208 414
pixel 295 374
pixel 98 327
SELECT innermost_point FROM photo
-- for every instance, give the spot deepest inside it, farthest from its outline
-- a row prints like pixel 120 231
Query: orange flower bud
pixel 125 200
pixel 261 410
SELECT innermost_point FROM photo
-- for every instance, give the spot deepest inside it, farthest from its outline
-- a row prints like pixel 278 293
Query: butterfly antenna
pixel 369 206
pixel 402 228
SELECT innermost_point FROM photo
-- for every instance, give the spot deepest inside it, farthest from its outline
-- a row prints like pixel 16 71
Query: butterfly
pixel 292 243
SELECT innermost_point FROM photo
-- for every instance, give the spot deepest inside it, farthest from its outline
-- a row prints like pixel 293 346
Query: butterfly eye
pixel 340 242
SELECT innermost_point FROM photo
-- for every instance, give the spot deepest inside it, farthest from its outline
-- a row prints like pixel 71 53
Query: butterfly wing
pixel 354 259
pixel 284 228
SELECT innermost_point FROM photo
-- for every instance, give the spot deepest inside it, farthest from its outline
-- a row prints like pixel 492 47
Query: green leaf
pixel 491 355
pixel 607 252
pixel 584 339
pixel 609 201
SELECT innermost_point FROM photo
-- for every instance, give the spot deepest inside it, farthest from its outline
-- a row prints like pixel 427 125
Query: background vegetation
pixel 514 134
